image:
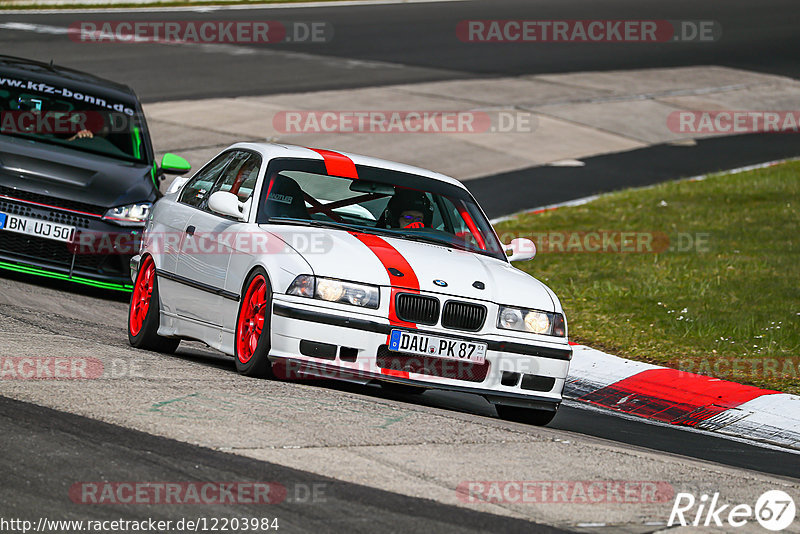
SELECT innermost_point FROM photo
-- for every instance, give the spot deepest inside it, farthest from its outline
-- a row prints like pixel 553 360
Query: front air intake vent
pixel 53 202
pixel 463 316
pixel 417 308
pixel 414 363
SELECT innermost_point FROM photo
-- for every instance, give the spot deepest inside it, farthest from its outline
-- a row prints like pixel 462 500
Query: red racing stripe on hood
pixel 392 260
pixel 337 164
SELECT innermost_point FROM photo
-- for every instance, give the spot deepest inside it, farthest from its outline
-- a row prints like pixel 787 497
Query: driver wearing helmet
pixel 408 209
pixel 29 104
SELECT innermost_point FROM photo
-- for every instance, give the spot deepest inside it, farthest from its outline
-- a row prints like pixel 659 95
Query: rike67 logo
pixel 774 510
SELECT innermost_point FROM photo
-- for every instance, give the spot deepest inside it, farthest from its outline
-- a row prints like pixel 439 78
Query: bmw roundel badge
pixel 440 283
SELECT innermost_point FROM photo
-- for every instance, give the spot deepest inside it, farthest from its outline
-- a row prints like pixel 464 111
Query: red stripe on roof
pixel 338 164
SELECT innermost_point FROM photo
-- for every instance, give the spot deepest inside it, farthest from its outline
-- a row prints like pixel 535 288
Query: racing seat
pixel 286 199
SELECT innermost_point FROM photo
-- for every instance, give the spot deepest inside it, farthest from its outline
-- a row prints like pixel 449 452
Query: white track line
pixel 586 200
pixel 207 8
pixel 216 48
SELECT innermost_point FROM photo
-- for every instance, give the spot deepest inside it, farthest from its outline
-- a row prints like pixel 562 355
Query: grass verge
pixel 721 298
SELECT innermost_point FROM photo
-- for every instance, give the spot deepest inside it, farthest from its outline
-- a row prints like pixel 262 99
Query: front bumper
pixel 77 277
pixel 136 261
pixel 99 256
pixel 310 341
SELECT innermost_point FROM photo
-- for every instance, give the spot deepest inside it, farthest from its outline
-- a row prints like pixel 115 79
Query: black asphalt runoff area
pixel 675 440
pixel 45 453
pixel 512 192
pixel 638 432
pixel 375 45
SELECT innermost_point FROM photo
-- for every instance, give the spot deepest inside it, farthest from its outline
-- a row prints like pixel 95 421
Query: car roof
pixel 50 72
pixel 274 150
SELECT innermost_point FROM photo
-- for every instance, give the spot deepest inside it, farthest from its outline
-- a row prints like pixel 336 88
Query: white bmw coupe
pixel 301 262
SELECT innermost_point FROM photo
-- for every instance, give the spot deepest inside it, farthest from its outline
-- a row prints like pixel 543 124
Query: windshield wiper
pixel 313 223
pixel 370 229
pixel 429 239
pixel 412 237
pixel 433 241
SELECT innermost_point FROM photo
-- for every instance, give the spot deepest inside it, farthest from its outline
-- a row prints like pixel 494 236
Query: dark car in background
pixel 78 175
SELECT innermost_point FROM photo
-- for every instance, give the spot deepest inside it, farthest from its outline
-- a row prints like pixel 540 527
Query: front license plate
pixel 36 227
pixel 439 347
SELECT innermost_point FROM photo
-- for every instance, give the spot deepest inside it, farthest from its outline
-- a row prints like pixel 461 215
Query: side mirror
pixel 172 164
pixel 521 249
pixel 226 204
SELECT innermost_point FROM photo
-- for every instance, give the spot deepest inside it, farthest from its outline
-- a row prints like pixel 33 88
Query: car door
pixel 207 245
pixel 174 221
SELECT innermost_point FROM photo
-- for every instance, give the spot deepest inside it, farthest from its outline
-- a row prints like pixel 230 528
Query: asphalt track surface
pixel 571 418
pixel 546 185
pixel 388 44
pixel 376 45
pixel 45 452
pixel 64 442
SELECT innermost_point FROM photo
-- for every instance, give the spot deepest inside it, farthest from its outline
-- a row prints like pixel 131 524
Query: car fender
pixel 281 262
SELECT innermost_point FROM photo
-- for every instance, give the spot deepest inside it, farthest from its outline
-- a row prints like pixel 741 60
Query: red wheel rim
pixel 140 301
pixel 251 319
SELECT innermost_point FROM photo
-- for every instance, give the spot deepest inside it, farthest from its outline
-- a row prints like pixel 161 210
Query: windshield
pixel 61 116
pixel 380 202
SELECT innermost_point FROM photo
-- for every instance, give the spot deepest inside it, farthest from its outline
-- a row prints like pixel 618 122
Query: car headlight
pixel 130 215
pixel 533 321
pixel 332 290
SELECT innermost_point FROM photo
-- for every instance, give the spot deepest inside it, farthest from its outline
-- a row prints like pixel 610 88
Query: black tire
pixel 258 364
pixel 529 416
pixel 147 337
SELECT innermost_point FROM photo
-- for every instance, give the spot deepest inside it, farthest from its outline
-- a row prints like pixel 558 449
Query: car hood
pixel 342 255
pixel 68 174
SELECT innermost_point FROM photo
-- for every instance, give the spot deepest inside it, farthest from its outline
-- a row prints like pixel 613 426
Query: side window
pixel 197 189
pixel 240 176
